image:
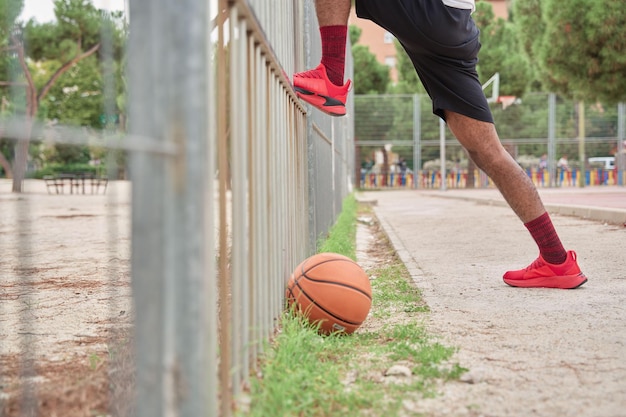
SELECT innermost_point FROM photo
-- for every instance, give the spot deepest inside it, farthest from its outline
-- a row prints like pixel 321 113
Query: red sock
pixel 334 51
pixel 550 246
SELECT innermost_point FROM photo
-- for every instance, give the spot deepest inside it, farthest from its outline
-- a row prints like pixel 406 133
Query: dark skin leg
pixel 332 12
pixel 484 147
pixel 479 138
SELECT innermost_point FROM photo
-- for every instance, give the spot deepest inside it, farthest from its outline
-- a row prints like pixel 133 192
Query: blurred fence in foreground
pixel 233 184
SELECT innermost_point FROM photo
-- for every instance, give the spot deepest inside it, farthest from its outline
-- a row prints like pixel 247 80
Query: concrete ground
pixel 530 352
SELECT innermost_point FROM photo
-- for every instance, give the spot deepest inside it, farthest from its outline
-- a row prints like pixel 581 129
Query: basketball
pixel 332 291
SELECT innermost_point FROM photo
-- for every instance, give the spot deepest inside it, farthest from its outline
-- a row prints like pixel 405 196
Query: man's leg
pixel 332 12
pixel 323 86
pixel 482 143
pixel 555 267
pixel 332 17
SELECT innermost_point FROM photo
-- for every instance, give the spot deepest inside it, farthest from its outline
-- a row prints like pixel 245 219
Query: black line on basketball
pixel 323 262
pixel 323 309
pixel 333 282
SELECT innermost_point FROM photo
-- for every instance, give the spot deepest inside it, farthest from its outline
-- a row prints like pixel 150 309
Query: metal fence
pixel 233 183
pixel 399 140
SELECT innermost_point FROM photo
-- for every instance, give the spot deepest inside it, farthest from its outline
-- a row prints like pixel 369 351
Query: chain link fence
pixel 398 142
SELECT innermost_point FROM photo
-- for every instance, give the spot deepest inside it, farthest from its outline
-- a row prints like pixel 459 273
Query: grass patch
pixel 342 235
pixel 304 374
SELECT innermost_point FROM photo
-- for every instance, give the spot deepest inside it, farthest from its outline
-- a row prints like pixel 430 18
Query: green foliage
pixel 59 168
pixel 65 154
pixel 576 47
pixel 297 380
pixel 408 81
pixel 374 114
pixel 527 25
pixel 9 12
pixel 499 52
pixel 372 76
pixel 78 20
pixel 342 235
pixel 354 33
pixel 77 97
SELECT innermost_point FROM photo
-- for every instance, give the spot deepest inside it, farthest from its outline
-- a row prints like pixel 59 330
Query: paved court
pixel 530 352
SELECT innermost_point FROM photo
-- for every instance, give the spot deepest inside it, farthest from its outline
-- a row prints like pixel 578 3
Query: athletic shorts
pixel 443 44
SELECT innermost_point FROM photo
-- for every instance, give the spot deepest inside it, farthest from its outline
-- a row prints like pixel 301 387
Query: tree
pixel 408 81
pixel 73 38
pixel 576 47
pixel 370 76
pixel 77 98
pixel 9 11
pixel 499 52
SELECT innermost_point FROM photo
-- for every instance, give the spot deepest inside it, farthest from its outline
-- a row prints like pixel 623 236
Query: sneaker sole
pixel 567 282
pixel 328 105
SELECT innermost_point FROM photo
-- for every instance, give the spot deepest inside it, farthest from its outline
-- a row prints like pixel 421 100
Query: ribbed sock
pixel 550 246
pixel 334 51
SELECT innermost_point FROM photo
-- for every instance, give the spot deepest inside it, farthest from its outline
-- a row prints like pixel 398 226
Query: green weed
pixel 304 374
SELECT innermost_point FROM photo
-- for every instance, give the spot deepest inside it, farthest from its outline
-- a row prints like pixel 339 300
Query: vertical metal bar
pixel 417 140
pixel 224 272
pixel 258 178
pixel 168 208
pixel 237 186
pixel 252 294
pixel 239 156
pixel 192 349
pixel 333 176
pixel 148 270
pixel 581 143
pixel 24 269
pixel 275 231
pixel 109 93
pixel 552 139
pixel 266 161
pixel 27 336
pixel 284 192
pixel 442 152
pixel 620 156
pixel 271 160
pixel 211 336
pixel 280 189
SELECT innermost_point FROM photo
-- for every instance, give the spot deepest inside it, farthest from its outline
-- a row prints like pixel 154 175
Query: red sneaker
pixel 315 88
pixel 543 274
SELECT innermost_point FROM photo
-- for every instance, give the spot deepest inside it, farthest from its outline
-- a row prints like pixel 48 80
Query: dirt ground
pixel 64 300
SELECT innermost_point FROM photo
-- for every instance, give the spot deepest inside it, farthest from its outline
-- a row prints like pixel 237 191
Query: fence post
pixel 172 240
pixel 552 139
pixel 417 140
pixel 620 156
pixel 442 152
pixel 581 144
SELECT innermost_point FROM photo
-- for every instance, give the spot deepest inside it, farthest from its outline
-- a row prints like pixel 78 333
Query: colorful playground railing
pixel 432 179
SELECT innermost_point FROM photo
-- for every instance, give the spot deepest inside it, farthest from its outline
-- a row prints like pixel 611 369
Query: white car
pixel 608 162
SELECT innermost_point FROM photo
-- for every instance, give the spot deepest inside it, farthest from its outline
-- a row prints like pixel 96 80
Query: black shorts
pixel 443 44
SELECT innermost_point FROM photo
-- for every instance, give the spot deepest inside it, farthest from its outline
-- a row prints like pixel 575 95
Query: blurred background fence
pixel 233 183
pixel 558 142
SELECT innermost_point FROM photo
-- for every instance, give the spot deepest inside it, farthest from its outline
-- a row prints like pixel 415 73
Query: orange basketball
pixel 332 290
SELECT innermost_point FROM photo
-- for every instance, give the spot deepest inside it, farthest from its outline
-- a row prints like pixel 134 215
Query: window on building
pixel 388 37
pixel 390 61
